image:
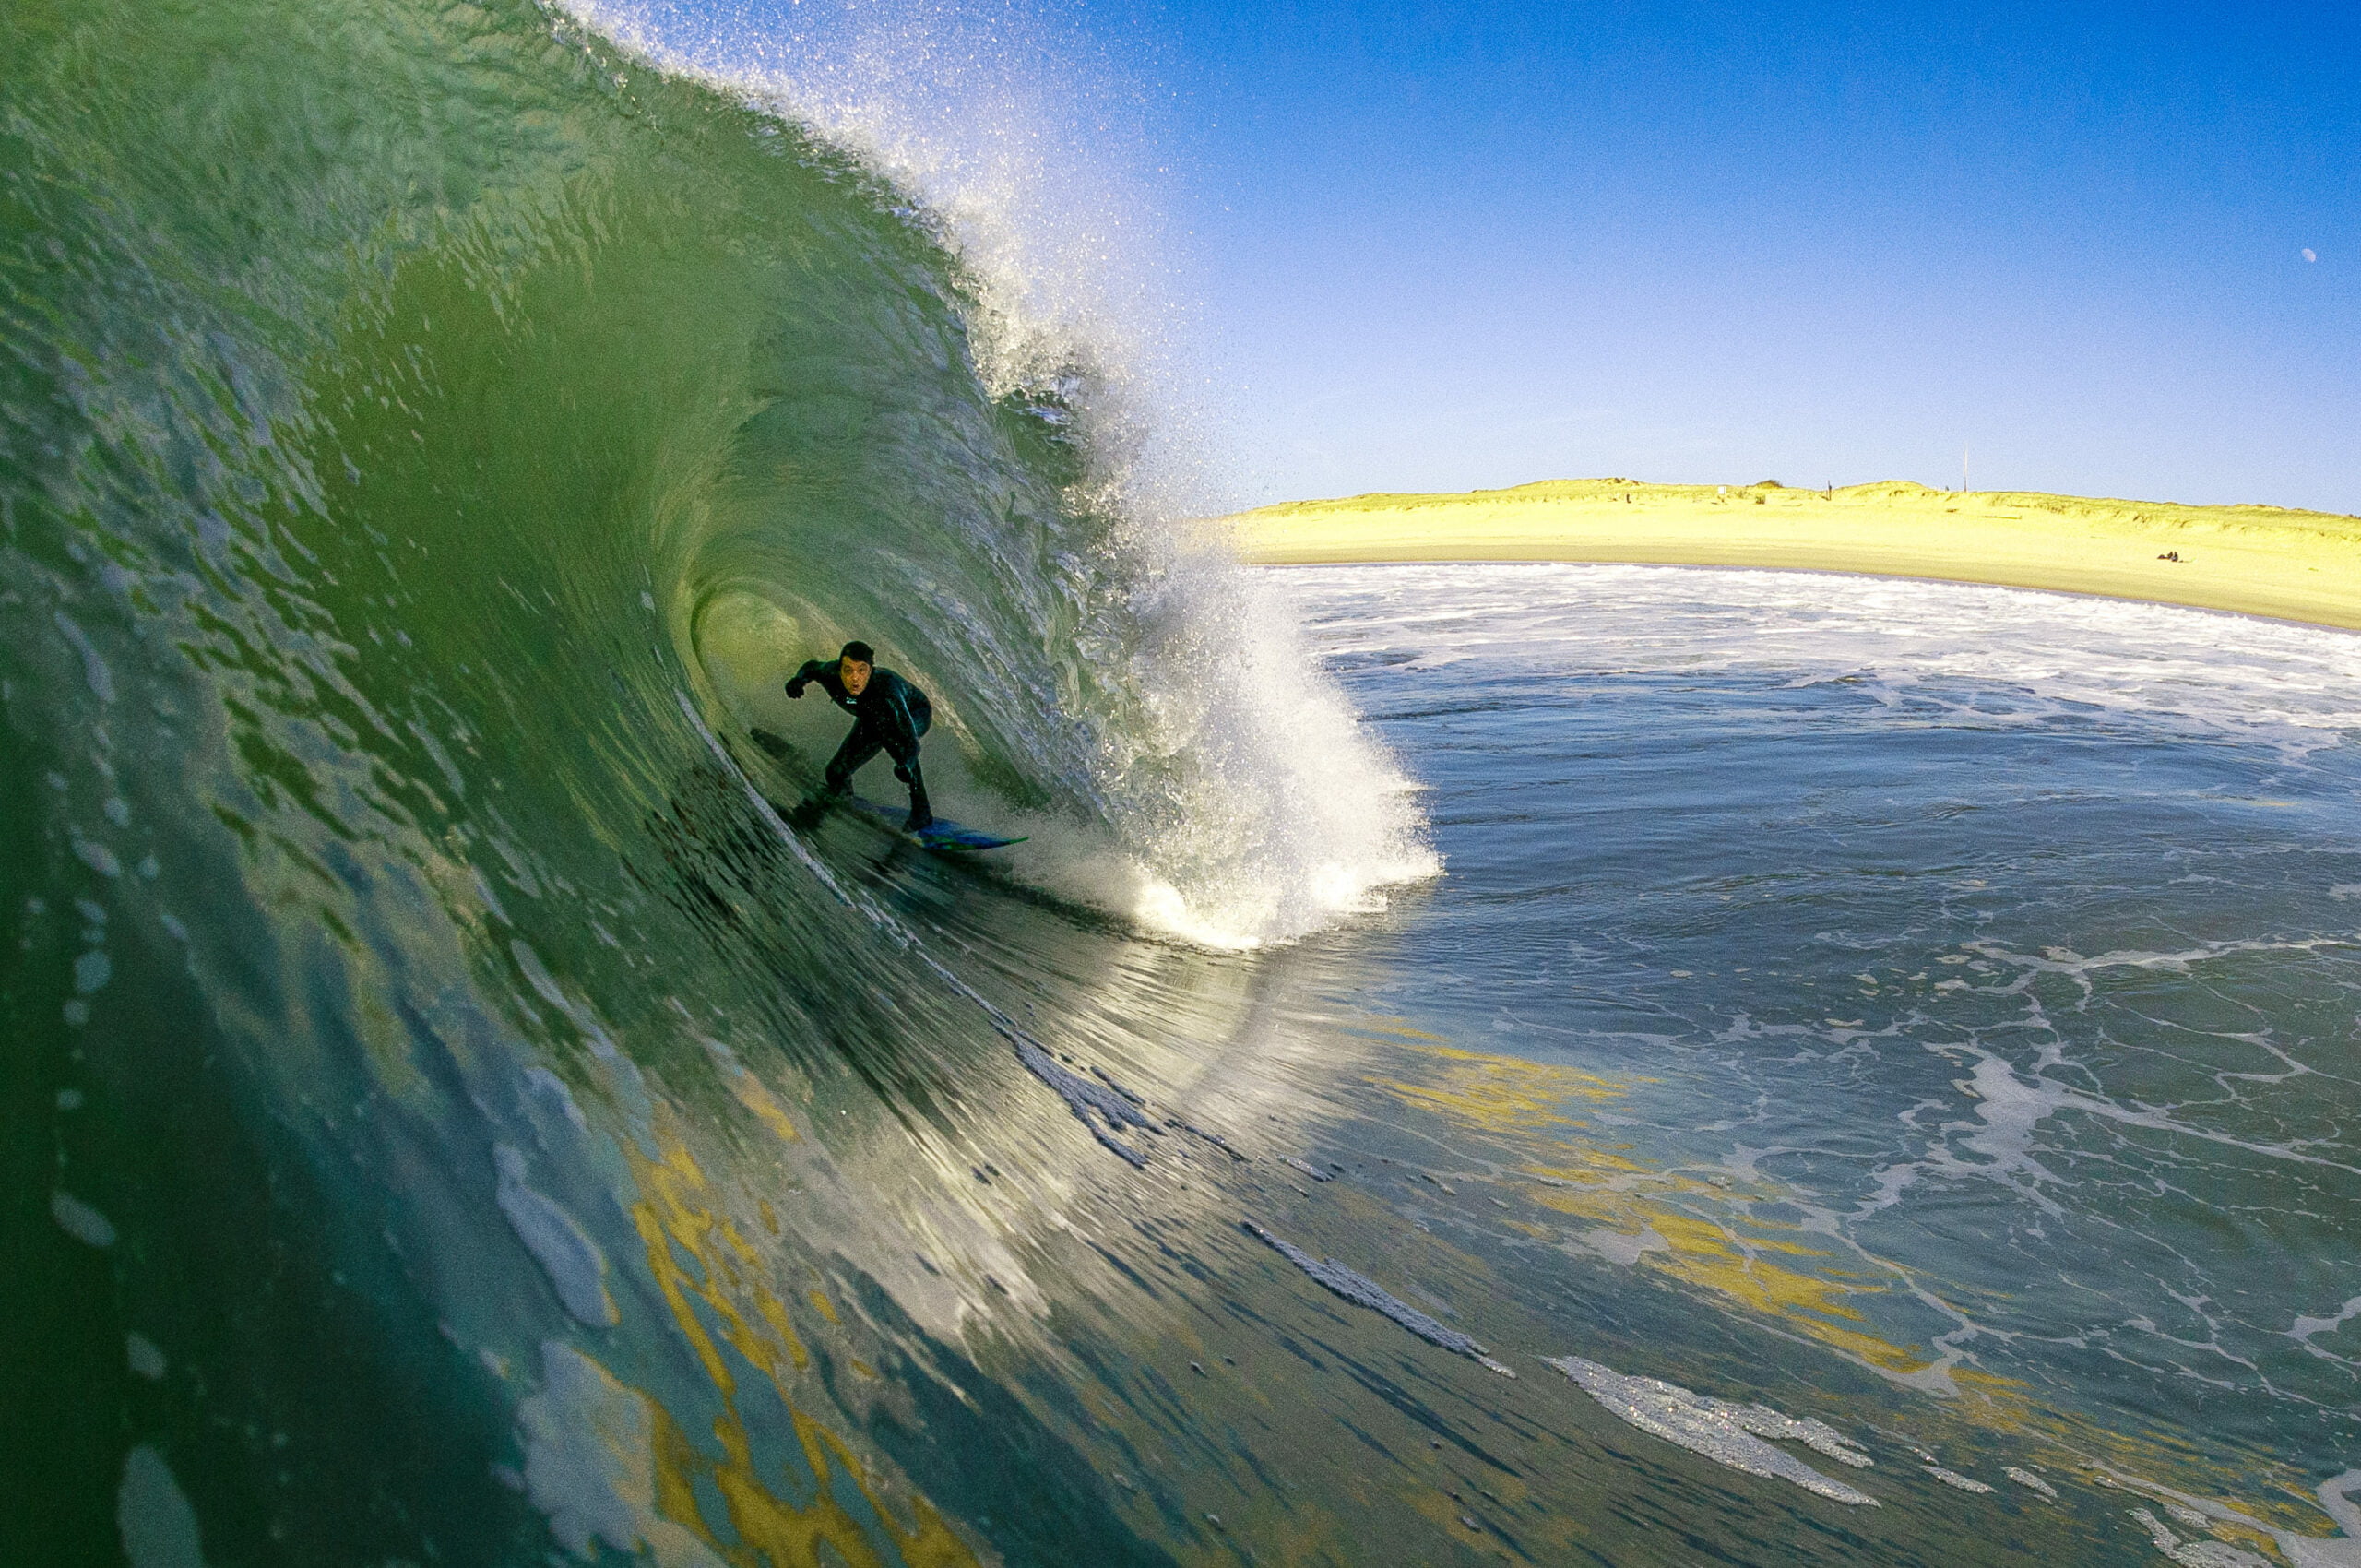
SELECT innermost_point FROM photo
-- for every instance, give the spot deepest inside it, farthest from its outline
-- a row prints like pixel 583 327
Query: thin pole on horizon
pixel 1963 471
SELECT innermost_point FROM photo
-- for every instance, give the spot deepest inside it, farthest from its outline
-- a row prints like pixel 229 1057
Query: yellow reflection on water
pixel 1679 1226
pixel 1501 1094
pixel 678 1216
pixel 1755 1268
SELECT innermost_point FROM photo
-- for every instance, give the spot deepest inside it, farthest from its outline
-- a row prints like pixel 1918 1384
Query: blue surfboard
pixel 942 835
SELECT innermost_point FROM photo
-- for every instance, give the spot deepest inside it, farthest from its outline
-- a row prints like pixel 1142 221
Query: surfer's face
pixel 854 674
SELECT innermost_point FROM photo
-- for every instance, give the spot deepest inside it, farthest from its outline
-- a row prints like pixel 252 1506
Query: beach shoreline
pixel 2264 561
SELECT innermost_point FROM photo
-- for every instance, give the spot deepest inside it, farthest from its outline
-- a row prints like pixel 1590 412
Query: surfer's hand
pixel 795 687
pixel 901 773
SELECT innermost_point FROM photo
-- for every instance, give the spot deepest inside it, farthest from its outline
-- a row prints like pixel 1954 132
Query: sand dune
pixel 2256 559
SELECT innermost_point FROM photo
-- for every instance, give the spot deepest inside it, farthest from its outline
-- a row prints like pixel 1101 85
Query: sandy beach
pixel 2255 560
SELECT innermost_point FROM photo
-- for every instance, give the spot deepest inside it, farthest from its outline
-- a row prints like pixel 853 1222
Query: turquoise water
pixel 464 1106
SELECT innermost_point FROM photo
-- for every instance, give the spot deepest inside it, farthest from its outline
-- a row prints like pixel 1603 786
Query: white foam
pixel 141 1354
pixel 2342 1550
pixel 80 1221
pixel 1363 1292
pixel 2027 1478
pixel 577 1268
pixel 153 1516
pixel 2010 1110
pixel 95 672
pixel 1616 1246
pixel 2335 1496
pixel 1257 808
pixel 2274 682
pixel 1038 176
pixel 2196 1553
pixel 1724 1431
pixel 590 1465
pixel 2305 1329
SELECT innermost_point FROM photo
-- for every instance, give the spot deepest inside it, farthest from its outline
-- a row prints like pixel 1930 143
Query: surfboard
pixel 942 835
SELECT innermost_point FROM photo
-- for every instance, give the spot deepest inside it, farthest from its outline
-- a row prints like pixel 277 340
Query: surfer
pixel 889 714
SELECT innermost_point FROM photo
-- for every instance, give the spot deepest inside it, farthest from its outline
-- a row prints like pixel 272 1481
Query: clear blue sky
pixel 1451 246
pixel 1445 246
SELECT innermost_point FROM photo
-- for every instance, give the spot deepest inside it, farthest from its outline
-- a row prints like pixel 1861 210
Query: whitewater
pixel 1576 1065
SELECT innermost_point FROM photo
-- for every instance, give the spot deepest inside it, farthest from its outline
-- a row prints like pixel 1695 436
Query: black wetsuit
pixel 889 716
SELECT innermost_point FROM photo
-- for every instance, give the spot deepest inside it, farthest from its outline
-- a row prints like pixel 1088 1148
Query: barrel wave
pixel 452 1105
pixel 1874 1087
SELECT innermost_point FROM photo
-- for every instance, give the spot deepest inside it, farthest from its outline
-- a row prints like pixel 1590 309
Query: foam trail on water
pixel 1363 1292
pixel 1724 1431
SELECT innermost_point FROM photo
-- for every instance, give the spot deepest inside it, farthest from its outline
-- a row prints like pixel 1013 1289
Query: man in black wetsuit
pixel 888 715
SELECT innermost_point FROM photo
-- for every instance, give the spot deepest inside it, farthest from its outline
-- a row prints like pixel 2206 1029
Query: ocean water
pixel 1961 982
pixel 1606 1065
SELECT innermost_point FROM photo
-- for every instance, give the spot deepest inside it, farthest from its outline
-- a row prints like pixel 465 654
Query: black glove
pixel 795 686
pixel 902 772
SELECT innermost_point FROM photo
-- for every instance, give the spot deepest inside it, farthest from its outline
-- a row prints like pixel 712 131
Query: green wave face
pixel 563 332
pixel 426 431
